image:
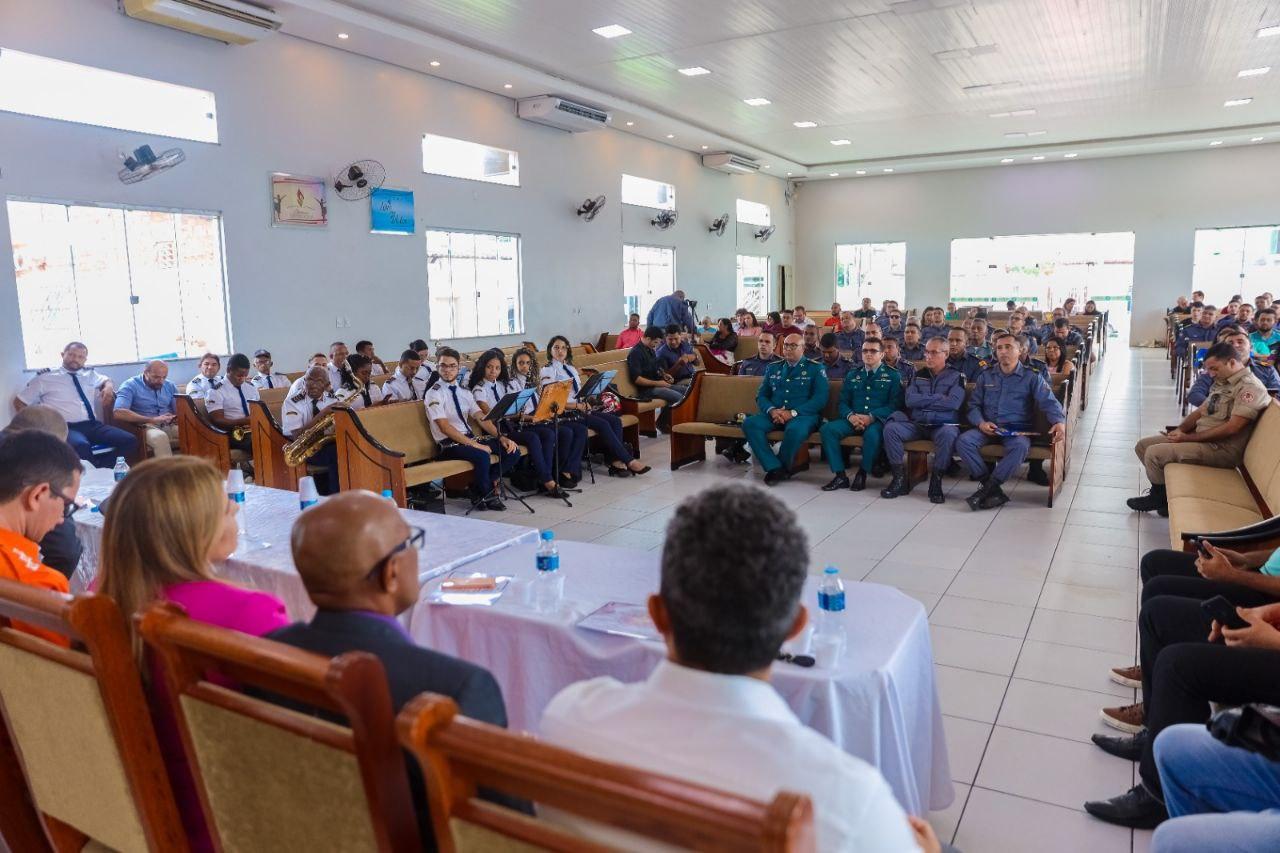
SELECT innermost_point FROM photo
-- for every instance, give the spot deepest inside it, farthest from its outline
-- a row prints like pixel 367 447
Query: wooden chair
pixel 459 756
pixel 271 778
pixel 198 437
pixel 79 760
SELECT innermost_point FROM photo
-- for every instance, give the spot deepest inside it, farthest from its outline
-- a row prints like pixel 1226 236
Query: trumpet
pixel 239 432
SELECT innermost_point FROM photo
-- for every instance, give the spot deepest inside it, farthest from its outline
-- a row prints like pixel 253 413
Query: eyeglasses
pixel 792 346
pixel 417 536
pixel 69 505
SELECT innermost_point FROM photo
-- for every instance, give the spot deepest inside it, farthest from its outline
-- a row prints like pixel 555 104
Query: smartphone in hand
pixel 1223 612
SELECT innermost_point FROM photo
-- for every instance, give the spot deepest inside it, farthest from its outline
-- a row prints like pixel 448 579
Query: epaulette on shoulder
pixel 215 384
pixel 299 397
pixel 43 371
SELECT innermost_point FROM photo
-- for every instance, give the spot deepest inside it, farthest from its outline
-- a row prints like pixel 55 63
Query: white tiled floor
pixel 1029 606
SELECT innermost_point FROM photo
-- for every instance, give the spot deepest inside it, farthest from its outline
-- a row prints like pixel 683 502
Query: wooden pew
pixel 269 468
pixel 138 431
pixel 709 361
pixel 198 437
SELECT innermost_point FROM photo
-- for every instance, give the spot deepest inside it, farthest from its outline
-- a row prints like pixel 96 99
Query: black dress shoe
pixel 995 498
pixel 777 475
pixel 879 469
pixel 859 481
pixel 495 503
pixel 1136 809
pixel 1036 474
pixel 615 471
pixel 1128 747
pixel 637 472
pixel 839 481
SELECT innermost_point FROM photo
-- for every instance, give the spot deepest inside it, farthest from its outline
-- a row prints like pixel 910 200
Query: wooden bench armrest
pixel 1254 536
pixel 269 468
pixel 363 461
pixel 710 363
pixel 198 437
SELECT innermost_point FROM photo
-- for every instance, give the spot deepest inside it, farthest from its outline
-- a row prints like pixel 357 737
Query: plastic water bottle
pixel 235 491
pixel 828 633
pixel 549 583
pixel 308 495
pixel 388 495
pixel 121 470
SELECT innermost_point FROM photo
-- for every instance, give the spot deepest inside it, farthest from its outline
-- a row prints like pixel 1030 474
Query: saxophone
pixel 316 436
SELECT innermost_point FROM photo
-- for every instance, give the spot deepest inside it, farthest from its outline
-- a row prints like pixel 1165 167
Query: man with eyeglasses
pixel 933 401
pixel 358 560
pixel 868 397
pixel 791 398
pixel 39 478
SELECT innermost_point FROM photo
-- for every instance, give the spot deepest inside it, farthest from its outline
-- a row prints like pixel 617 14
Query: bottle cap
pixel 386 493
pixel 831 570
pixel 119 460
pixel 307 489
pixel 235 481
pixel 548 535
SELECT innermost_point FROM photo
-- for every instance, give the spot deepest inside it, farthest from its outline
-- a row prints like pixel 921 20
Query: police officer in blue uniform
pixel 870 395
pixel 968 365
pixel 836 365
pixel 933 400
pixel 849 337
pixel 893 358
pixel 1003 400
pixel 792 396
pixel 735 449
pixel 1202 332
pixel 912 344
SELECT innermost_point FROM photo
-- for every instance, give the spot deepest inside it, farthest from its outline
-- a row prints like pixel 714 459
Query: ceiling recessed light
pixel 1268 32
pixel 766 165
pixel 1007 160
pixel 887 170
pixel 861 172
pixel 671 136
pixel 694 71
pixel 804 124
pixel 1256 139
pixel 435 63
pixel 1069 156
pixel 835 174
pixel 1254 72
pixel 1036 132
pixel 345 36
pixel 1216 142
pixel 756 102
pixel 704 148
pixel 1015 134
pixel 841 142
pixel 506 85
pixel 631 124
pixel 612 31
pixel 1038 157
pixel 788 174
pixel 1022 113
pixel 1237 102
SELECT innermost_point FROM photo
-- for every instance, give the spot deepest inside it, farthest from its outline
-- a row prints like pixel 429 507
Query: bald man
pixel 358 560
pixel 148 400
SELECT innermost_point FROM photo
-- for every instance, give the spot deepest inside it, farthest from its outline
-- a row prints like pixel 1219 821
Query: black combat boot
pixel 1155 499
pixel 935 488
pixel 899 485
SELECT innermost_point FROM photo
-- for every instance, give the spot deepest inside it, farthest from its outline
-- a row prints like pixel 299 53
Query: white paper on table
pixel 476 598
pixel 622 620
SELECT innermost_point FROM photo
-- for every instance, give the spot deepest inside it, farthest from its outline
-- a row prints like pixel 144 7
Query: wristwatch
pixel 794 413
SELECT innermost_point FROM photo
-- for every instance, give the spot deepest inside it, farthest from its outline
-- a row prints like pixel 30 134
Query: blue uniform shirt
pixel 906 370
pixel 669 311
pixel 851 342
pixel 1010 400
pixel 802 387
pixel 939 331
pixel 1266 375
pixel 755 366
pixel 136 396
pixel 667 358
pixel 1195 334
pixel 915 353
pixel 969 366
pixel 936 399
pixel 871 392
pixel 837 370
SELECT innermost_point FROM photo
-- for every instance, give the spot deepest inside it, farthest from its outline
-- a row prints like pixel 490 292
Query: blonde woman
pixel 166 525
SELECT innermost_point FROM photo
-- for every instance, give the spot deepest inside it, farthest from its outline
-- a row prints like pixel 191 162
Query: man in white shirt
pixel 228 401
pixel 339 372
pixel 308 400
pixel 79 394
pixel 800 318
pixel 409 381
pixel 266 378
pixel 708 714
pixel 210 364
pixel 365 348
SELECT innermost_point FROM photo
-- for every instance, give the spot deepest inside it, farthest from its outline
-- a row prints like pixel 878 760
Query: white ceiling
pixel 898 79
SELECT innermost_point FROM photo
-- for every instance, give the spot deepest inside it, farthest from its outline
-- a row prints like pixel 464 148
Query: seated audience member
pixel 673 310
pixel 811 337
pixel 978 345
pixel 630 336
pixel 489 383
pixel 450 409
pixel 1262 300
pixel 190 525
pixel 209 368
pixel 1004 400
pixel 869 395
pixel 339 371
pixel 80 395
pixel 649 377
pixel 1231 308
pixel 935 326
pixel 1181 306
pixel 893 358
pixel 407 383
pixel 892 327
pixel 1202 331
pixel 832 322
pixel 569 437
pixel 365 393
pixel 1265 339
pixel 1018 327
pixel 228 401
pixel 912 348
pixel 1265 373
pixel 849 337
pixel 1065 334
pixel 801 318
pixel 1214 434
pixel 39 478
pixel 419 346
pixel 358 560
pixel 1091 309
pixel 866 311
pixel 676 356
pixel 1069 306
pixel 265 379
pixel 933 400
pixel 607 425
pixel 735 449
pixel 749 327
pixel 886 308
pixel 60 548
pixel 952 312
pixel 707 713
pixel 148 400
pixel 724 341
pixel 377 365
pixel 784 325
pixel 1242 318
pixel 969 366
pixel 835 364
pixel 1219 796
pixel 791 397
pixel 319 359
pixel 1054 361
pixel 301 408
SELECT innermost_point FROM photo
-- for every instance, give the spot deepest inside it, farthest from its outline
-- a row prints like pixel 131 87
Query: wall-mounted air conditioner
pixel 562 113
pixel 225 20
pixel 734 164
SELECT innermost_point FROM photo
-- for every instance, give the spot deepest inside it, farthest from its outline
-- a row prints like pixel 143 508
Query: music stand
pixel 597 384
pixel 510 406
pixel 551 405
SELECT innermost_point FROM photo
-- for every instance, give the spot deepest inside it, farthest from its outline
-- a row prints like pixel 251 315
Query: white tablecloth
pixel 879 703
pixel 451 541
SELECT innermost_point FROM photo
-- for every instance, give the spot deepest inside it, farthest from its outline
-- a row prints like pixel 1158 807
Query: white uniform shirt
pixel 297 412
pixel 277 380
pixel 733 733
pixel 377 369
pixel 356 399
pixel 493 392
pixel 56 389
pixel 559 371
pixel 225 397
pixel 440 405
pixel 199 387
pixel 336 376
pixel 399 388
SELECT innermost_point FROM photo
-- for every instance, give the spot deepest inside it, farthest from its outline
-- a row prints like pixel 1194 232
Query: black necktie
pixel 496 398
pixel 244 404
pixel 269 383
pixel 453 389
pixel 573 380
pixel 413 392
pixel 83 399
pixel 315 408
pixel 368 401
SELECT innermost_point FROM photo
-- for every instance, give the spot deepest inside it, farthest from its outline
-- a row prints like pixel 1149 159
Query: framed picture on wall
pixel 298 201
pixel 391 211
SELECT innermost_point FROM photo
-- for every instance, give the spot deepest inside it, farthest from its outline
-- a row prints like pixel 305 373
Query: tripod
pixel 500 485
pixel 555 460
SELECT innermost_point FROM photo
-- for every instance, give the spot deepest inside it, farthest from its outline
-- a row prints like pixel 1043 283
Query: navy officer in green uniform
pixel 791 397
pixel 870 395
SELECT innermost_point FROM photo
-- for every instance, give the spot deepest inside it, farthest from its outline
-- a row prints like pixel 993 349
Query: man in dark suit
pixel 359 562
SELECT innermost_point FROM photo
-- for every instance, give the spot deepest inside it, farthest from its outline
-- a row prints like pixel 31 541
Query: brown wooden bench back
pixel 1262 456
pixel 748 347
pixel 274 398
pixel 402 427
